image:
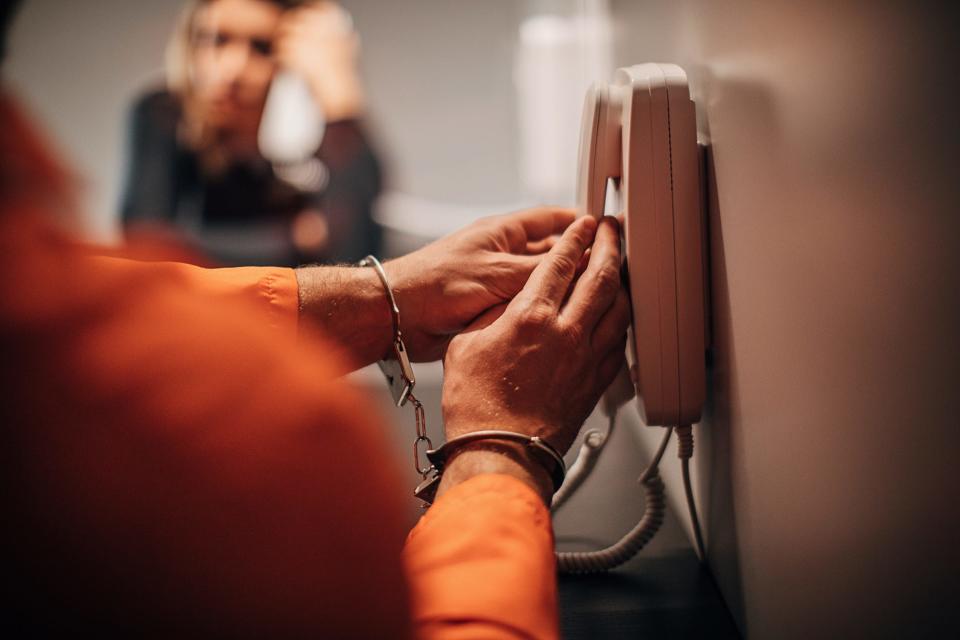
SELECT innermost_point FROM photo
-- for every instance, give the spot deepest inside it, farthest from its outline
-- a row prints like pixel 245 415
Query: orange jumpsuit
pixel 176 460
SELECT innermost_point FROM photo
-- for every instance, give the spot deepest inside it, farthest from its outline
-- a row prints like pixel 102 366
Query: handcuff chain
pixel 419 414
pixel 422 437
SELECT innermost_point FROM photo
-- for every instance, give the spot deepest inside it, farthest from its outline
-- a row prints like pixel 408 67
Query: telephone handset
pixel 641 130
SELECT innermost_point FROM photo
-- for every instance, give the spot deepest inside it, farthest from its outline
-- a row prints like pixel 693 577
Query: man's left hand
pixel 444 286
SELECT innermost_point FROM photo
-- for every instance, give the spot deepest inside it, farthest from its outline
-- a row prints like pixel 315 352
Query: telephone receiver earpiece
pixel 641 130
pixel 599 153
pixel 292 124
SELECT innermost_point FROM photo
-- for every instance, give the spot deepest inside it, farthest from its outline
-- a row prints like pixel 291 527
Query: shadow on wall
pixel 720 429
pixel 715 486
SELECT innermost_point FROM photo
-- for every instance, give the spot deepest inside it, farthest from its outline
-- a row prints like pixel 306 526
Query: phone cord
pixel 579 562
pixel 593 444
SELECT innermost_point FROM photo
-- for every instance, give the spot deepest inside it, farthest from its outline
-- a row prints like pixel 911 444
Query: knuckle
pixel 514 234
pixel 584 235
pixel 562 264
pixel 608 279
pixel 574 334
pixel 486 222
pixel 536 316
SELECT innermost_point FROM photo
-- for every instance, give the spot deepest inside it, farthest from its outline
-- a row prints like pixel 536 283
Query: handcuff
pixel 399 372
pixel 540 450
pixel 401 380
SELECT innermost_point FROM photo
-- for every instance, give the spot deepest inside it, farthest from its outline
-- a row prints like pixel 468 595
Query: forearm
pixel 350 306
pixel 480 563
pixel 347 304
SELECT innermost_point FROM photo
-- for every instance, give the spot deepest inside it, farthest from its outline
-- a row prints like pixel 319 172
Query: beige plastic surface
pixel 642 129
pixel 599 153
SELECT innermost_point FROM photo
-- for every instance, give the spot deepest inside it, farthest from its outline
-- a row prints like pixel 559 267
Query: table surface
pixel 660 596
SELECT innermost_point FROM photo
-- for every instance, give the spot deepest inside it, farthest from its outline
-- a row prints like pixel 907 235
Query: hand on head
pixel 318 41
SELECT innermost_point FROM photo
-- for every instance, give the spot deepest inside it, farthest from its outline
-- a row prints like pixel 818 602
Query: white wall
pixel 440 80
pixel 827 453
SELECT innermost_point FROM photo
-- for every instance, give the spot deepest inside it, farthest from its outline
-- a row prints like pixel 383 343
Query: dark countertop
pixel 659 596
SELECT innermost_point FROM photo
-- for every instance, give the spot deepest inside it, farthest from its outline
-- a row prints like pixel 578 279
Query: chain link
pixel 421 438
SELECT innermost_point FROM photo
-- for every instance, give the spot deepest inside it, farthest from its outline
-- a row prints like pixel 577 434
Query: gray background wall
pixel 78 65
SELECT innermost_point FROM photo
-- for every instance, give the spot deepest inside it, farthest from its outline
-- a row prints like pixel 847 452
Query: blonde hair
pixel 180 48
pixel 192 129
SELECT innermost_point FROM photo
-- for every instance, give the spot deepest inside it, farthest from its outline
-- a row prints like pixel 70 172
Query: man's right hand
pixel 539 364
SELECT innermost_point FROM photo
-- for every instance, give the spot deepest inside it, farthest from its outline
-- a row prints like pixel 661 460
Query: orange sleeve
pixel 177 464
pixel 270 292
pixel 480 563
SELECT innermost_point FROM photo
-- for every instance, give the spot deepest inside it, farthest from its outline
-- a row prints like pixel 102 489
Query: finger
pixel 486 318
pixel 584 261
pixel 537 247
pixel 313 19
pixel 611 364
pixel 614 323
pixel 525 264
pixel 541 222
pixel 581 267
pixel 552 277
pixel 597 288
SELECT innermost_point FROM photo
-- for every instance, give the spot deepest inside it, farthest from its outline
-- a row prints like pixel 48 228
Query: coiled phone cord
pixel 655 506
pixel 593 444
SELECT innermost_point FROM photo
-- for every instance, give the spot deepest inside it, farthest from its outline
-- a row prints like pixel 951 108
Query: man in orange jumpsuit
pixel 182 454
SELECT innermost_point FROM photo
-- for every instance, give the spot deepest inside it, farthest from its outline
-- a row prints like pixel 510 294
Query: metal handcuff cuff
pixel 401 381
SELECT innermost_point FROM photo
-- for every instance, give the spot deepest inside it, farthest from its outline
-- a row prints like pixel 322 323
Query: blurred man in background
pixel 195 163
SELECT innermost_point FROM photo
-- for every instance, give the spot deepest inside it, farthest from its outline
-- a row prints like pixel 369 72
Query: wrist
pixel 342 99
pixel 350 305
pixel 504 458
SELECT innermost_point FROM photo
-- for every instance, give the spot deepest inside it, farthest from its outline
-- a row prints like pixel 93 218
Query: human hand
pixel 440 289
pixel 446 285
pixel 539 364
pixel 318 41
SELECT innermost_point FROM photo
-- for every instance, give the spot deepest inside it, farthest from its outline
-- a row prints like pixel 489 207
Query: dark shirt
pixel 243 215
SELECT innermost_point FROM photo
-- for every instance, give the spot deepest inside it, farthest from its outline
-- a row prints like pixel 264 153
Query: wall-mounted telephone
pixel 640 132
